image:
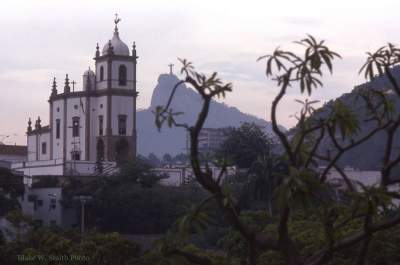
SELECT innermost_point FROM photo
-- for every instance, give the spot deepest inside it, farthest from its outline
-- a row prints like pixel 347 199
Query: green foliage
pixel 244 145
pixel 109 249
pixel 378 105
pixel 17 218
pixel 343 119
pixel 137 171
pixel 306 71
pixel 7 204
pixel 379 61
pixel 10 184
pixel 46 182
pixel 105 249
pixel 298 188
pixel 309 236
pixel 321 233
pixel 133 209
pixel 195 219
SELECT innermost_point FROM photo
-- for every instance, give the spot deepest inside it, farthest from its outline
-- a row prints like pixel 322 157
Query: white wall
pixel 44 138
pixel 74 109
pixel 96 111
pixel 175 176
pixel 34 144
pixel 31 143
pixel 44 212
pixel 178 175
pixel 99 107
pixel 12 158
pixel 101 84
pixel 115 75
pixel 122 106
pixel 58 143
pixel 55 169
pixel 368 178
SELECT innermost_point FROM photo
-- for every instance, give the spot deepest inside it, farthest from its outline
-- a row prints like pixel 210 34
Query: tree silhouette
pixel 302 185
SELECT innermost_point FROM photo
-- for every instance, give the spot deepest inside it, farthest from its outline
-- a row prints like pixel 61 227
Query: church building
pixel 95 124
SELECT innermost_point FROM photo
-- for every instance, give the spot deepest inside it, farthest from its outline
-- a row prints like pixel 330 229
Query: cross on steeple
pixel 73 85
pixel 170 68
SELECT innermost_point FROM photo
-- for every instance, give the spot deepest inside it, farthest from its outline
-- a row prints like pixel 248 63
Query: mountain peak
pixel 188 101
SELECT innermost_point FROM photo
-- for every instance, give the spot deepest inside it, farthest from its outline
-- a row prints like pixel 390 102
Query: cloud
pixel 303 21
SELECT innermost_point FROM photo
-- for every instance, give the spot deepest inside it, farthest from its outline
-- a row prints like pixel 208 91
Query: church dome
pixel 119 47
pixel 89 80
pixel 88 72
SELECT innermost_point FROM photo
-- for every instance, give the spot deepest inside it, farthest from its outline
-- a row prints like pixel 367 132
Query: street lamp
pixel 52 205
pixel 83 200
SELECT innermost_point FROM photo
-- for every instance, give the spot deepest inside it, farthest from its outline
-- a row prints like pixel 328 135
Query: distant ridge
pixel 368 155
pixel 173 141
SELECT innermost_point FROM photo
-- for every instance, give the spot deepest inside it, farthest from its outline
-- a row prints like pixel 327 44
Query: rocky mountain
pixel 368 155
pixel 173 140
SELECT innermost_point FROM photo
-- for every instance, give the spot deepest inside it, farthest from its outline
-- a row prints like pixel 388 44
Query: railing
pixel 25 164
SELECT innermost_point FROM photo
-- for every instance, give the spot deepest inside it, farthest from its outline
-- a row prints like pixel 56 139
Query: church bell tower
pixel 114 112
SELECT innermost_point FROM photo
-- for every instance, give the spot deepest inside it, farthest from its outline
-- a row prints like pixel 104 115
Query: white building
pixel 44 206
pixel 178 175
pixel 97 123
pixel 368 178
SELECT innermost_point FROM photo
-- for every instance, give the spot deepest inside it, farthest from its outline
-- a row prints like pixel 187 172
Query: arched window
pixel 122 151
pixel 101 73
pixel 100 150
pixel 122 124
pixel 122 75
pixel 75 126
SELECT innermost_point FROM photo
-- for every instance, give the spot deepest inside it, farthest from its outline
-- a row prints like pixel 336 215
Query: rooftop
pixel 20 150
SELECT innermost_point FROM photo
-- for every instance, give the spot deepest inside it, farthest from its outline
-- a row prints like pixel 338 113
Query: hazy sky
pixel 45 38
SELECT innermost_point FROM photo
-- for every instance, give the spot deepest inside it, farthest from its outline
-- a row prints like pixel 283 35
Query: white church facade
pixel 95 124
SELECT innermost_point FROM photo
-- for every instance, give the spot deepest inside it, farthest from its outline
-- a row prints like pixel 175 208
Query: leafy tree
pixel 10 184
pixel 137 171
pixel 180 159
pixel 11 187
pixel 153 160
pixel 96 248
pixel 302 185
pixel 167 159
pixel 19 221
pixel 131 202
pixel 7 204
pixel 244 145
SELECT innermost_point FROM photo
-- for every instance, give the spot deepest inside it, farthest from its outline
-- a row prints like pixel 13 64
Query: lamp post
pixel 83 200
pixel 52 196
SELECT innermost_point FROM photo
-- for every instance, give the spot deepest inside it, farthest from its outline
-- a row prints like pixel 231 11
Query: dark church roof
pixel 19 150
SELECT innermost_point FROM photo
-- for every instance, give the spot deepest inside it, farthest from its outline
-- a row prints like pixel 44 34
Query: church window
pixel 101 125
pixel 122 124
pixel 44 148
pixel 75 127
pixel 101 73
pixel 122 75
pixel 101 106
pixel 76 155
pixel 58 129
pixel 75 106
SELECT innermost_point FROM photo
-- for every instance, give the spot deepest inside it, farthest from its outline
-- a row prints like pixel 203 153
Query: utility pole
pixel 83 200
